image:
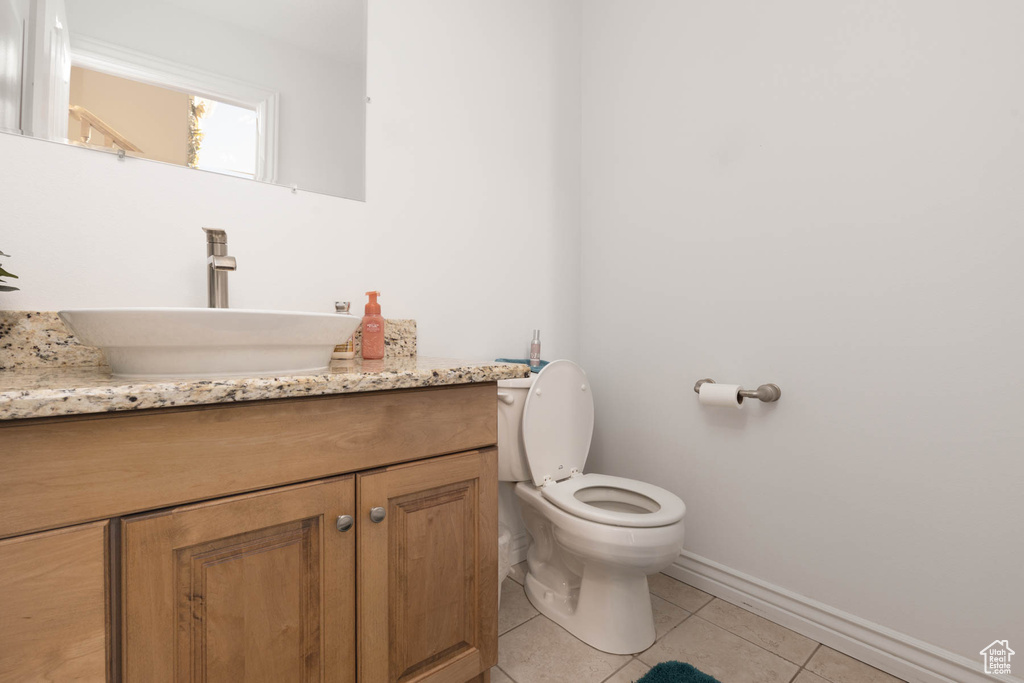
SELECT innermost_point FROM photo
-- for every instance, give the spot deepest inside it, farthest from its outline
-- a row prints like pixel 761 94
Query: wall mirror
pixel 269 90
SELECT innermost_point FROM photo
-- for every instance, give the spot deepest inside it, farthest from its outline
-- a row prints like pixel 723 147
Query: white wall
pixel 825 195
pixel 471 223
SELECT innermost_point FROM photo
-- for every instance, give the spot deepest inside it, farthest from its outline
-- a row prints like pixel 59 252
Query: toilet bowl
pixel 595 537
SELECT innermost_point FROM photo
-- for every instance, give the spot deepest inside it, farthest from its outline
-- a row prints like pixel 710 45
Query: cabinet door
pixel 53 605
pixel 256 588
pixel 428 571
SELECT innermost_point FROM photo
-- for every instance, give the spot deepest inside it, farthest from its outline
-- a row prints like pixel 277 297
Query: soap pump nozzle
pixel 372 307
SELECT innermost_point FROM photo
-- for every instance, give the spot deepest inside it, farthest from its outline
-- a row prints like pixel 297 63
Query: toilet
pixel 595 537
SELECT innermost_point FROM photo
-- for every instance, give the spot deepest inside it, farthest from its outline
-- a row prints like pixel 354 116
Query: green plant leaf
pixel 4 273
pixel 3 254
pixel 8 288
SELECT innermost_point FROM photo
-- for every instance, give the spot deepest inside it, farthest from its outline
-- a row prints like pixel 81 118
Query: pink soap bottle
pixel 373 329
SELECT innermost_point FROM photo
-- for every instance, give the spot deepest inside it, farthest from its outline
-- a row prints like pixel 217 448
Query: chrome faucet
pixel 218 265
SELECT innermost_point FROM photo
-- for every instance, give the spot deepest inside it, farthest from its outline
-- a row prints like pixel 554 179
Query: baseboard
pixel 517 549
pixel 900 655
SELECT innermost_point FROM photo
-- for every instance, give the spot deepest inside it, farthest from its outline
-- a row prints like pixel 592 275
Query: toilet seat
pixel 558 422
pixel 670 508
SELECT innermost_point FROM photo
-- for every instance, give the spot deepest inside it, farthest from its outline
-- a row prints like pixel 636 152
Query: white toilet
pixel 595 537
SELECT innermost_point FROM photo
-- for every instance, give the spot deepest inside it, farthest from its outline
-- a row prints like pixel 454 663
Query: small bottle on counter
pixel 373 329
pixel 347 349
pixel 535 350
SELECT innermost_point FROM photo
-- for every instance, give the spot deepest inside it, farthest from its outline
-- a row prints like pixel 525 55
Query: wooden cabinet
pixel 239 574
pixel 54 620
pixel 262 588
pixel 428 572
pixel 257 588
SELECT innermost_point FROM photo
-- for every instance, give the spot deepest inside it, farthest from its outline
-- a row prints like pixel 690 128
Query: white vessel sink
pixel 168 343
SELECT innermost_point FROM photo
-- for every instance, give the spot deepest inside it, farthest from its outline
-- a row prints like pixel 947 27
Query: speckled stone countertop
pixel 49 392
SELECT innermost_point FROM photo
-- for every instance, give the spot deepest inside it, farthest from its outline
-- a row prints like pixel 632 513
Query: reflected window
pixel 223 138
pixel 162 124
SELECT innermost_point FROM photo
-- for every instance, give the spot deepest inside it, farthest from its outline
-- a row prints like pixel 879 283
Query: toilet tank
pixel 512 463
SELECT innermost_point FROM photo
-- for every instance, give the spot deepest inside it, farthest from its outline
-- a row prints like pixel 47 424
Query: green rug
pixel 676 672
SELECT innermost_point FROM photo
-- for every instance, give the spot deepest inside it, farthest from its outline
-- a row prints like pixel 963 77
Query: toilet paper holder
pixel 769 393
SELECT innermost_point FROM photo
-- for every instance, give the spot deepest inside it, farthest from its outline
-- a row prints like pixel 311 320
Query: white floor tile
pixel 836 667
pixel 677 592
pixel 629 673
pixel 760 631
pixel 499 676
pixel 515 607
pixel 540 651
pixel 719 653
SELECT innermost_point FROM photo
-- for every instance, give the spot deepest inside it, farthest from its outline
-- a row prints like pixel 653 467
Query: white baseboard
pixel 900 655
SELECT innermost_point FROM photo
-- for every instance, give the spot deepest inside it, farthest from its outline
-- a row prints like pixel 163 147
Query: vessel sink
pixel 170 343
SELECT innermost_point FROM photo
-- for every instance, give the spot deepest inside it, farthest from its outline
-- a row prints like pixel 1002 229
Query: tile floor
pixel 730 643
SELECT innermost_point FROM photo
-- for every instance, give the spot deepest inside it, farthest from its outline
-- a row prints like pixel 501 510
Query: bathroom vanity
pixel 338 537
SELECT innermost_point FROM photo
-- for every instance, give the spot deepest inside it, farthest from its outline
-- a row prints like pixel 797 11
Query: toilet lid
pixel 558 421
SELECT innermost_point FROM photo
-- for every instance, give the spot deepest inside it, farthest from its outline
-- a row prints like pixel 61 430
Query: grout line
pixel 774 623
pixel 859 661
pixel 760 647
pixel 512 577
pixel 799 664
pixel 628 662
pixel 704 606
pixel 683 607
pixel 657 640
pixel 804 667
pixel 807 661
pixel 675 604
pixel 506 673
pixel 685 611
pixel 518 626
pixel 509 630
pixel 685 619
pixel 710 599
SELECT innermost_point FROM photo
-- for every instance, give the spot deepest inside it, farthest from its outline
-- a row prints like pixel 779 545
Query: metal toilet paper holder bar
pixel 769 393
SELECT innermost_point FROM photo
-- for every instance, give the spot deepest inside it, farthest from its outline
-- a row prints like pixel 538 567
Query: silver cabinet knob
pixel 377 515
pixel 345 522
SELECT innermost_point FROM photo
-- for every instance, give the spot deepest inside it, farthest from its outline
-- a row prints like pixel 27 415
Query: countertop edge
pixel 104 394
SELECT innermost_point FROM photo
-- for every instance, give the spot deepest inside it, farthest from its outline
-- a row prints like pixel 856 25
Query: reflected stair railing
pixel 91 123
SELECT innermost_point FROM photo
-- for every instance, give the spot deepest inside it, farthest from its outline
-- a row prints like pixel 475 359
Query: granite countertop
pixel 49 392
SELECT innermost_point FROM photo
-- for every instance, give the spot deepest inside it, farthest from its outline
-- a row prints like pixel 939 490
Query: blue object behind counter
pixel 522 361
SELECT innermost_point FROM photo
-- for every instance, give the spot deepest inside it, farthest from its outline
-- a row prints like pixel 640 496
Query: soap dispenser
pixel 373 329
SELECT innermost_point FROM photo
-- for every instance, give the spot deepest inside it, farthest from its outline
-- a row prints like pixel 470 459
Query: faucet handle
pixel 215 236
pixel 222 262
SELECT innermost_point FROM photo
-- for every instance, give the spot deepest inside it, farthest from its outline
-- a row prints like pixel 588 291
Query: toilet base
pixel 610 610
pixel 591 578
